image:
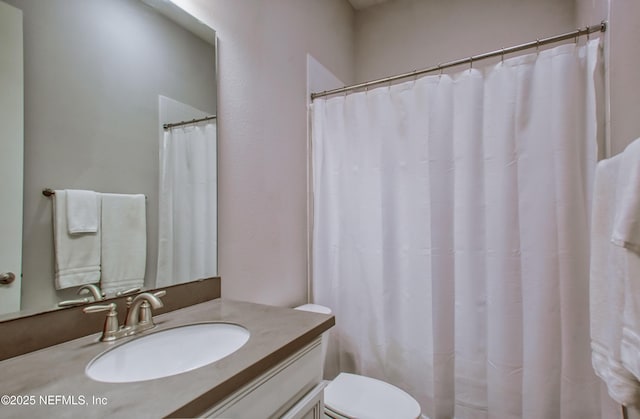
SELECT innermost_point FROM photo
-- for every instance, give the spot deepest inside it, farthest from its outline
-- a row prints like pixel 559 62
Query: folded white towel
pixel 124 242
pixel 82 211
pixel 607 275
pixel 77 256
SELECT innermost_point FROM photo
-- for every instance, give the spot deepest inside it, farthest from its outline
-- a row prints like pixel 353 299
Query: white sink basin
pixel 168 352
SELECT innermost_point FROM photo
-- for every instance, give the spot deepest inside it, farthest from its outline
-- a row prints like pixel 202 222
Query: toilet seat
pixel 357 396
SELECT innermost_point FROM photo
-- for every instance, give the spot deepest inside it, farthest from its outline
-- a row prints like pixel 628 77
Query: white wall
pixel 405 35
pixel 624 32
pixel 262 115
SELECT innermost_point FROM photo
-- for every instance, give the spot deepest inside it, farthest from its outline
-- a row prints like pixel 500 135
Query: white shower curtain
pixel 451 220
pixel 187 214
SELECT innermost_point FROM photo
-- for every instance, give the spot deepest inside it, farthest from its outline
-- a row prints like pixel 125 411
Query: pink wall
pixel 401 36
pixel 262 115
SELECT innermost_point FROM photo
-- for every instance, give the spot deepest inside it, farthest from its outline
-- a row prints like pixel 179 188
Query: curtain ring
pixel 537 45
pixel 471 63
pixel 588 34
pixel 502 56
pixel 440 68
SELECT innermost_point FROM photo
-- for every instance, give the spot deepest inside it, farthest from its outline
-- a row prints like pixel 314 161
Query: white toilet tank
pixel 316 308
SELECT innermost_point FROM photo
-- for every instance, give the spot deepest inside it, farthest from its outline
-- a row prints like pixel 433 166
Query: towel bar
pixel 48 192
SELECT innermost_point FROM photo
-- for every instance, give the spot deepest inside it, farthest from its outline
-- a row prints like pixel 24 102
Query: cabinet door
pixel 311 406
pixel 275 391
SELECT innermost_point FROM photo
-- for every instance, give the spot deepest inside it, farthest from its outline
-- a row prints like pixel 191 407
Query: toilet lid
pixel 362 397
pixel 314 308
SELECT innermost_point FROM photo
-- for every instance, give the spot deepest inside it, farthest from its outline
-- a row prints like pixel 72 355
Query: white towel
pixel 626 233
pixel 82 211
pixel 124 242
pixel 626 227
pixel 630 345
pixel 77 256
pixel 607 276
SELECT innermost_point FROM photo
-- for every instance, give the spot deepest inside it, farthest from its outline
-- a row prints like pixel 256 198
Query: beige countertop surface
pixel 51 382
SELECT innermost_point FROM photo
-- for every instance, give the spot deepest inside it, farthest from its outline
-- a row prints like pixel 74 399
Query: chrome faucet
pixel 92 289
pixel 139 316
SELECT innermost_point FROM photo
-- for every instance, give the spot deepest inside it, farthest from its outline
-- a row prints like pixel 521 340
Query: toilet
pixel 352 396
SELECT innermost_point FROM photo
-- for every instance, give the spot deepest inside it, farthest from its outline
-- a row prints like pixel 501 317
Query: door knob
pixel 7 277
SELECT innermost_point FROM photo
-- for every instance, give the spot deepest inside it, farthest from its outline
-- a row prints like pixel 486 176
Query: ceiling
pixel 361 4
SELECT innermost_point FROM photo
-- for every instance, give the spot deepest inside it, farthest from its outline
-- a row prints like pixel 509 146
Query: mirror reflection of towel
pixel 82 211
pixel 124 242
pixel 77 256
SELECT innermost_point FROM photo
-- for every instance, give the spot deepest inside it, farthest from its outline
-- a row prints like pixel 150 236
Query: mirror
pixel 98 75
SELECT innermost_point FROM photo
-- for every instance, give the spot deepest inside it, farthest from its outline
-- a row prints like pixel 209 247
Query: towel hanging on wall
pixel 77 256
pixel 614 265
pixel 124 242
pixel 82 211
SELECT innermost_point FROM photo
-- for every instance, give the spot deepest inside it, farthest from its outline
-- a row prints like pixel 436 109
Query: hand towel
pixel 77 256
pixel 607 273
pixel 124 242
pixel 82 211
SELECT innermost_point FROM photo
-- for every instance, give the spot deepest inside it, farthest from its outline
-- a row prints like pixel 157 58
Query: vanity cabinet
pixel 311 406
pixel 276 374
pixel 293 389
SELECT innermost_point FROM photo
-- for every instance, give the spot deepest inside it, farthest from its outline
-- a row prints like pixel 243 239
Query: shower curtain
pixel 187 214
pixel 451 231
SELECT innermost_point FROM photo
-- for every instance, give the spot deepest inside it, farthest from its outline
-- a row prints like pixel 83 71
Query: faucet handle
pixel 111 325
pixel 127 292
pixel 79 301
pixel 161 293
pixel 145 316
pixel 100 307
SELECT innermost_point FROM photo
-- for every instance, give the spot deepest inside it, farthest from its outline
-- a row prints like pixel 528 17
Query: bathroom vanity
pixel 276 373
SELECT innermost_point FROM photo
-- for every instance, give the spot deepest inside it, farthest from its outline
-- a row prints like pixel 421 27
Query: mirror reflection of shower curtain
pixel 187 213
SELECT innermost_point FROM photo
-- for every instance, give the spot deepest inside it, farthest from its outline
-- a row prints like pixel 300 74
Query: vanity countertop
pixel 51 382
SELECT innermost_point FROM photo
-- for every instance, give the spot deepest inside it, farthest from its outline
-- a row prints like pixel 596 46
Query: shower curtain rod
pixel 193 121
pixel 601 27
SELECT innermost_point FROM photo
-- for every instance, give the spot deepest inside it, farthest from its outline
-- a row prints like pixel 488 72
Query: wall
pixel 625 82
pixel 624 62
pixel 93 73
pixel 401 36
pixel 263 46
